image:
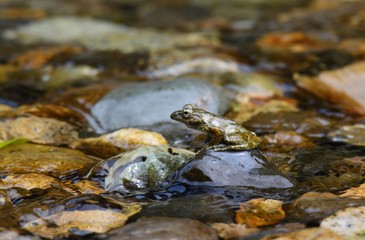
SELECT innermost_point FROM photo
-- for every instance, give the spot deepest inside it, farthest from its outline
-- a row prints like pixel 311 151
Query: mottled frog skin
pixel 220 130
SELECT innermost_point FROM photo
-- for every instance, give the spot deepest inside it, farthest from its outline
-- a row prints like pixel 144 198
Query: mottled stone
pixel 143 168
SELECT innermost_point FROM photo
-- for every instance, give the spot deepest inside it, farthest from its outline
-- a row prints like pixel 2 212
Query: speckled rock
pixel 349 222
pixel 165 228
pixel 234 168
pixel 143 168
pixel 155 101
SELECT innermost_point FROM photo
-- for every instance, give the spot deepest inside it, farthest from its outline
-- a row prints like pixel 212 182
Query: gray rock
pixel 157 228
pixel 143 168
pixel 145 104
pixel 235 168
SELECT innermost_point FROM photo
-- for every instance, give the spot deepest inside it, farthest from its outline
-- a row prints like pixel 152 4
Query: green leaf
pixel 13 142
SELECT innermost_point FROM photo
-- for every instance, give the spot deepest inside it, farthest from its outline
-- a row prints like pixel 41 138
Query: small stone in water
pixel 236 168
pixel 260 212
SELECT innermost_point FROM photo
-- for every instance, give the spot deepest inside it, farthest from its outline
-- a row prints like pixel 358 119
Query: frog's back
pixel 236 134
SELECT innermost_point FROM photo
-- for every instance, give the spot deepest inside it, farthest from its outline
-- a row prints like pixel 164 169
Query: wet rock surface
pixel 353 134
pixel 53 161
pixel 144 168
pixel 155 101
pixel 79 216
pixel 165 228
pixel 233 168
pixel 290 71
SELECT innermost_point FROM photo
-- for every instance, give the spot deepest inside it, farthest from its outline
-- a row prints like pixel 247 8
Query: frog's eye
pixel 187 113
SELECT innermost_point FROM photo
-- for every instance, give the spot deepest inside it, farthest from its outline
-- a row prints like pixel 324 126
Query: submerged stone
pixel 155 101
pixel 165 228
pixel 235 168
pixel 143 168
pixel 79 215
pixel 353 134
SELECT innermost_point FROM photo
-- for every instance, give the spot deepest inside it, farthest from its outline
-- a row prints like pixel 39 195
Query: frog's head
pixel 187 115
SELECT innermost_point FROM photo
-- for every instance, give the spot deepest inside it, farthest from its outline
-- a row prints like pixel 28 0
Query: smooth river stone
pixel 233 168
pixel 150 103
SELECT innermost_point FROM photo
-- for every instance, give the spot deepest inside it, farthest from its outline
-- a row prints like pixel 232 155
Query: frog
pixel 223 134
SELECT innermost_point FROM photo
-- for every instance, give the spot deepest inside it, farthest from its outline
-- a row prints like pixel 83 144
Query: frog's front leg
pixel 215 137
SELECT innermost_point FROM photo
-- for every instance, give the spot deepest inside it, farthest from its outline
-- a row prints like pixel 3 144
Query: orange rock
pixel 39 57
pixel 260 212
pixel 355 192
pixel 293 42
pixel 344 86
pixel 21 13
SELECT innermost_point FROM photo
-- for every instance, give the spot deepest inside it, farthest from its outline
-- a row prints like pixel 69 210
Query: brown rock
pixel 111 144
pixel 233 231
pixel 315 206
pixel 45 111
pixel 28 181
pixel 38 130
pixel 260 212
pixel 293 42
pixel 165 228
pixel 39 57
pixel 308 234
pixel 248 110
pixel 87 186
pixel 353 165
pixel 21 13
pixel 82 98
pixel 344 86
pixel 54 161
